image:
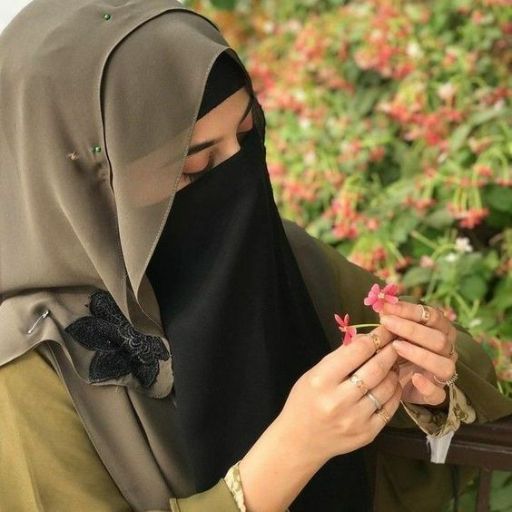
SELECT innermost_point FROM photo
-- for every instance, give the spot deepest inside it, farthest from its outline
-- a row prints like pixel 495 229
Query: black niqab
pixel 241 324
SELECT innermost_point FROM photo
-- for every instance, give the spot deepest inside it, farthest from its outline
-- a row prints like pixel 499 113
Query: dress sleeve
pixel 48 461
pixel 440 423
pixel 218 498
pixel 234 483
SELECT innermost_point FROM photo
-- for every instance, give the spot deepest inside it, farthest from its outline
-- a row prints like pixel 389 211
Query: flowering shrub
pixel 390 137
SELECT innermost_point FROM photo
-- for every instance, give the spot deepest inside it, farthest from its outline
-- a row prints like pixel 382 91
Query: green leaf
pixel 447 271
pixel 416 275
pixel 502 299
pixel 459 137
pixel 498 219
pixel 439 219
pixel 500 499
pixel 488 321
pixel 505 330
pixel 501 478
pixel 488 115
pixel 402 227
pixel 365 100
pixel 472 287
pixel 500 198
pixel 228 5
pixel 492 260
pixel 471 264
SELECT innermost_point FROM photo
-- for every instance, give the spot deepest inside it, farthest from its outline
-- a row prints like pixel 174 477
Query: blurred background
pixel 389 136
pixel 8 9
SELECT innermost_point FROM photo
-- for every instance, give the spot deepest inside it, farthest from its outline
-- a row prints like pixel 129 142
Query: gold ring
pixel 376 341
pixel 425 314
pixel 355 379
pixel 384 415
pixel 373 398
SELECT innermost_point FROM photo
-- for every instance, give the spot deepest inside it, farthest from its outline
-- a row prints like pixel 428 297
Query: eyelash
pixel 195 175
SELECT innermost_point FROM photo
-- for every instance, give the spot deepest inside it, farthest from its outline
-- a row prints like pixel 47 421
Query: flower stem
pixel 421 238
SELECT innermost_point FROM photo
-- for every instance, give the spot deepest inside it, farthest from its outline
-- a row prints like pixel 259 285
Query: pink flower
pixel 376 297
pixel 343 326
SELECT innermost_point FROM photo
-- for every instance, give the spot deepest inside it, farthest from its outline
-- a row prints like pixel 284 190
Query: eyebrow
pixel 207 143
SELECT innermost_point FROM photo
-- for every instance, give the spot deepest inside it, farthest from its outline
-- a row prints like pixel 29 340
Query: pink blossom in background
pixel 377 296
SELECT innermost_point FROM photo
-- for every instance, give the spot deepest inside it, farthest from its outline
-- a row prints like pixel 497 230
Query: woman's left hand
pixel 427 349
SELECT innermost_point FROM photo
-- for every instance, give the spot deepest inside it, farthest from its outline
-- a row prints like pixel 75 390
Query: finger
pixel 442 367
pixel 341 362
pixel 413 312
pixel 377 422
pixel 432 339
pixel 383 392
pixel 430 392
pixel 371 373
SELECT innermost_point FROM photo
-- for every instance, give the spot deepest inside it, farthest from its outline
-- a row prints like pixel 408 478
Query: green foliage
pixel 501 497
pixel 390 137
pixel 224 4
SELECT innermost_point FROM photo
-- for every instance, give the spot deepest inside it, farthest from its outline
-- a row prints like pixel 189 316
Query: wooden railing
pixel 486 446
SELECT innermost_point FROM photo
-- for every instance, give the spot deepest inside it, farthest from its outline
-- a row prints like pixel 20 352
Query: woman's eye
pixel 194 175
pixel 197 174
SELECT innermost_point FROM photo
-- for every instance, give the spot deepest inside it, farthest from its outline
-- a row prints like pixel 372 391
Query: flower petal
pixel 390 289
pixel 94 333
pixel 158 347
pixel 104 306
pixel 108 365
pixel 146 374
pixel 377 305
pixel 375 289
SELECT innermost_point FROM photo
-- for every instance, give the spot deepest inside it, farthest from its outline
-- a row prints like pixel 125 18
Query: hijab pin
pixel 96 149
pixel 107 16
pixel 44 315
pixel 73 156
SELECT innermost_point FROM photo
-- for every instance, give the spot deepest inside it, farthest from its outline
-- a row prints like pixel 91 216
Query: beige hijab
pixel 97 105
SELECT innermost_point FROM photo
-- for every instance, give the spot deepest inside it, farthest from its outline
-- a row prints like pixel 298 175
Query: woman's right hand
pixel 327 415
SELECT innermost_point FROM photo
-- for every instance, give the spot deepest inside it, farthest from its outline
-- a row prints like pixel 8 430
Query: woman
pixel 167 339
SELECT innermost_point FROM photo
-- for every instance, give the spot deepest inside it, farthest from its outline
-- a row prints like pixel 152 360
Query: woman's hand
pixel 427 349
pixel 326 414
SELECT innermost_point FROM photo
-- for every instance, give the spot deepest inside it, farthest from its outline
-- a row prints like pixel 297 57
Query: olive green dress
pixel 50 464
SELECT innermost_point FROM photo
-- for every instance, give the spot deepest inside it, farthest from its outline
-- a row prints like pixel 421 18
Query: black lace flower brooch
pixel 120 349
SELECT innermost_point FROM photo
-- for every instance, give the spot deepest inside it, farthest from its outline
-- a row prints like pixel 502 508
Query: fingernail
pixel 398 344
pixel 386 319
